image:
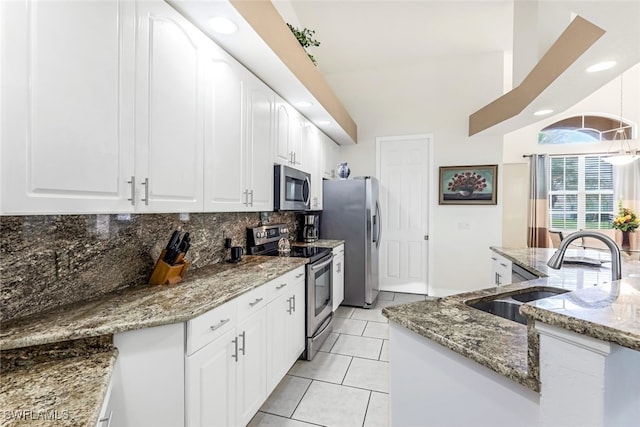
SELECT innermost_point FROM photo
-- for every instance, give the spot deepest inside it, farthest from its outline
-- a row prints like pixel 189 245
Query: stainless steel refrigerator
pixel 351 212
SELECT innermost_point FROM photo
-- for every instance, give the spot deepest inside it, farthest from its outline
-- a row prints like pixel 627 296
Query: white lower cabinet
pixel 285 332
pixel 238 352
pixel 500 270
pixel 338 276
pixel 148 382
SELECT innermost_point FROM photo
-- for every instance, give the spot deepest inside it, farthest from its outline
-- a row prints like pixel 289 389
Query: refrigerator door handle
pixel 378 220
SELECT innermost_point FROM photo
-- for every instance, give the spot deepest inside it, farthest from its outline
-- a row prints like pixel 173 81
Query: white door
pixel 403 169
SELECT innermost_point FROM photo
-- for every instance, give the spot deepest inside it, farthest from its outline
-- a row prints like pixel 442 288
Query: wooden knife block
pixel 165 274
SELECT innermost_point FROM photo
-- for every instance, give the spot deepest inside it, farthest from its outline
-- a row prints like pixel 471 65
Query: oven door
pixel 319 293
pixel 292 189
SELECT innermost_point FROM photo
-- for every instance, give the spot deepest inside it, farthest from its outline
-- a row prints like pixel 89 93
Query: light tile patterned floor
pixel 347 382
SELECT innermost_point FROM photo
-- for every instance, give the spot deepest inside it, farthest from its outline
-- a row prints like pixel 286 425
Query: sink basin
pixel 536 295
pixel 507 305
pixel 505 309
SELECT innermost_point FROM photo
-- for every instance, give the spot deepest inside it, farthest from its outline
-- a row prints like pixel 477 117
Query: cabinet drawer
pixel 210 325
pixel 283 283
pixel 251 302
pixel 339 250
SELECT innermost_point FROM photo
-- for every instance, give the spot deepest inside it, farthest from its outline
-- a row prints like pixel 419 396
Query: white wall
pixel 435 98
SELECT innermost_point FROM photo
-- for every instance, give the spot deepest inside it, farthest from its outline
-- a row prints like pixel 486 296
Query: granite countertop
pixel 147 306
pixel 59 363
pixel 62 384
pixel 324 243
pixel 510 348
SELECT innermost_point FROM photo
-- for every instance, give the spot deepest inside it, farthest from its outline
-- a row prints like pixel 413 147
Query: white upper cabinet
pixel 289 136
pixel 67 99
pixel 260 134
pixel 332 154
pixel 169 116
pixel 224 174
pixel 239 133
pixel 314 155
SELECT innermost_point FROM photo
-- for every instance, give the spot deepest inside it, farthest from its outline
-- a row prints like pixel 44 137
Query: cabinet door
pixel 278 342
pixel 225 152
pixel 338 279
pixel 211 383
pixel 297 333
pixel 282 151
pixel 67 100
pixel 251 375
pixel 331 161
pixel 297 124
pixel 260 130
pixel 314 155
pixel 500 270
pixel 169 117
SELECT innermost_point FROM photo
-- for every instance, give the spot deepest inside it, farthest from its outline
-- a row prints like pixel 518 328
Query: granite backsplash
pixel 51 260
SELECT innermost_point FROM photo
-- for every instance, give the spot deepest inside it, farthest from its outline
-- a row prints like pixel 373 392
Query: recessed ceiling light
pixel 303 104
pixel 222 25
pixel 601 66
pixel 543 112
pixel 324 122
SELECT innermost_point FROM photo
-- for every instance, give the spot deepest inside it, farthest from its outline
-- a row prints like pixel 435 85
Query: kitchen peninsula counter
pixel 511 349
pixel 59 363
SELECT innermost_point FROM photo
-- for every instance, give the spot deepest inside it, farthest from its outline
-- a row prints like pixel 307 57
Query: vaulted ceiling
pixel 364 35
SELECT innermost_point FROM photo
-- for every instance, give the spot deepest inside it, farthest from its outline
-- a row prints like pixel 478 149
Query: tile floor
pixel 347 382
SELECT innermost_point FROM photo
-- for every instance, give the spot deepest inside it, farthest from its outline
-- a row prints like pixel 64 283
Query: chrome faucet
pixel 616 264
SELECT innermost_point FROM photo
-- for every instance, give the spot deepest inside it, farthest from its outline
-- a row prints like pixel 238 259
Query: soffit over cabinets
pixel 265 46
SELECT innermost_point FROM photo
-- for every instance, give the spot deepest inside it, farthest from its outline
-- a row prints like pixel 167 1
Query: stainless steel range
pixel 319 295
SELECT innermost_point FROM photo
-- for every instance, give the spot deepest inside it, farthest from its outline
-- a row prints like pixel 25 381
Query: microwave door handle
pixel 306 179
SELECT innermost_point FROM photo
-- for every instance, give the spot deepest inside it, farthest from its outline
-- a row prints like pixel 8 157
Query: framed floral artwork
pixel 468 185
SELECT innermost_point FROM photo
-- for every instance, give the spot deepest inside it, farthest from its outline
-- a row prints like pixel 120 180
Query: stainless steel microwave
pixel 291 189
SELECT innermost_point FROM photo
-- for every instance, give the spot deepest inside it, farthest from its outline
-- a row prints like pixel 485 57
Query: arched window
pixel 581 129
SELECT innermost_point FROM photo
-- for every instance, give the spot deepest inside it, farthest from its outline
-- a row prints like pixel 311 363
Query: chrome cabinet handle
pixel 293 298
pixel 235 342
pixel 251 194
pixel 146 192
pixel 246 197
pixel 299 275
pixel 219 325
pixel 255 302
pixel 281 286
pixel 504 265
pixel 339 266
pixel 133 190
pixel 495 259
pixel 290 309
pixel 243 342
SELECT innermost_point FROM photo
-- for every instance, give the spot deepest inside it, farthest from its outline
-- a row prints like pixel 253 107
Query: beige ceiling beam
pixel 269 25
pixel 572 43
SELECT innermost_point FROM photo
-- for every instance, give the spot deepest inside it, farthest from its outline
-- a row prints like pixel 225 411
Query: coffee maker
pixel 308 227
